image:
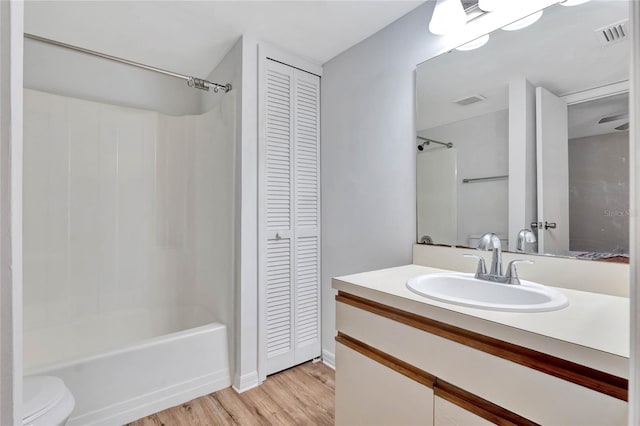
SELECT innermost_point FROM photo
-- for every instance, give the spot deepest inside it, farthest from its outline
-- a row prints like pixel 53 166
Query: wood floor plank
pixel 303 403
pixel 235 406
pixel 320 372
pixel 303 395
pixel 203 412
pixel 266 409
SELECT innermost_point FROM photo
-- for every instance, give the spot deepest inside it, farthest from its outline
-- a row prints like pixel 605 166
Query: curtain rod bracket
pixel 199 83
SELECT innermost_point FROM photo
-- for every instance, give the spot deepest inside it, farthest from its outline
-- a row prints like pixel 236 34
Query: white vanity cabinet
pixel 394 366
pixel 446 413
pixel 362 400
pixel 373 388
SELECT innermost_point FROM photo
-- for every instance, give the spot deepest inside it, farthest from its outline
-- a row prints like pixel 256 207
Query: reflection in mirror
pixel 599 175
pixel 538 119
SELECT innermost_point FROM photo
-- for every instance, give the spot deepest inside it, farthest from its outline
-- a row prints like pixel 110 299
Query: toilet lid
pixel 39 394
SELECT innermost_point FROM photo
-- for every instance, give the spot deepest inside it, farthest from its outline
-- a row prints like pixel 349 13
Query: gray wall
pixel 599 193
pixel 368 155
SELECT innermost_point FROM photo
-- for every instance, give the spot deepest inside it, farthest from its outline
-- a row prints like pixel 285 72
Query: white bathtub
pixel 124 366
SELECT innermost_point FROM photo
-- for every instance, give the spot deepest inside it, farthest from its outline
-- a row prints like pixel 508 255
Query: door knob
pixel 548 225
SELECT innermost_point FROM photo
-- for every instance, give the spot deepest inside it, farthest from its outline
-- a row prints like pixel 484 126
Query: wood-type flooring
pixel 303 395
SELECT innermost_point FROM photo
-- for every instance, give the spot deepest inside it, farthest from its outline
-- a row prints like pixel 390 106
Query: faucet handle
pixel 512 274
pixel 482 266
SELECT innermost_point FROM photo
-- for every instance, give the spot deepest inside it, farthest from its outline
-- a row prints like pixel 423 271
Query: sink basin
pixel 464 289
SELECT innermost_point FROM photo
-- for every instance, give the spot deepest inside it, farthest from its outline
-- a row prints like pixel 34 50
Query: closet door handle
pixel 551 225
pixel 278 237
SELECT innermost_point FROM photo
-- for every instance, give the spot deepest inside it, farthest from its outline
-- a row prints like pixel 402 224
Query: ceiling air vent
pixel 613 33
pixel 468 100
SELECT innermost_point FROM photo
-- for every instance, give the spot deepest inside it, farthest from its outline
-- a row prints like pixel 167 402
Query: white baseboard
pixel 145 405
pixel 329 359
pixel 245 382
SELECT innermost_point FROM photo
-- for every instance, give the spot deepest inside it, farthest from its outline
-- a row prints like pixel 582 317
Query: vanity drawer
pixel 449 414
pixel 370 393
pixel 535 395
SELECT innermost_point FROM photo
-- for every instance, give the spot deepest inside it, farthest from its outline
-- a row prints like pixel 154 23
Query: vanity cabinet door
pixel 449 414
pixel 370 393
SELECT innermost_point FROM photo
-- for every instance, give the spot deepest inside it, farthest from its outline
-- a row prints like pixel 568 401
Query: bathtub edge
pixel 150 403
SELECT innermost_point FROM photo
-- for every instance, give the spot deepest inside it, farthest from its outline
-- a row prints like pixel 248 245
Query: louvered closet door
pixel 307 215
pixel 290 267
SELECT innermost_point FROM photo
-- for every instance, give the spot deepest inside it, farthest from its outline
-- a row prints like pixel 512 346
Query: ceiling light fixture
pixel 572 2
pixel 524 22
pixel 448 16
pixel 490 5
pixel 474 44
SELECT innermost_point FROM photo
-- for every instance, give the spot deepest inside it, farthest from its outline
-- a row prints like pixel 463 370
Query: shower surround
pixel 128 252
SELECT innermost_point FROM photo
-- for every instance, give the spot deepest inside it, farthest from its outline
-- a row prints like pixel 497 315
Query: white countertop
pixel 592 330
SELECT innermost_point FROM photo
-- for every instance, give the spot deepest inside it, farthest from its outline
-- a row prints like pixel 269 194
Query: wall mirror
pixel 530 131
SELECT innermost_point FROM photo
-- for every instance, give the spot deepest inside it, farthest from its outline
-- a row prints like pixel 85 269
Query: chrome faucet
pixel 490 241
pixel 525 236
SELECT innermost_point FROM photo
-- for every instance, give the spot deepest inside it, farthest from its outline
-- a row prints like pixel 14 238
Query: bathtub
pixel 126 365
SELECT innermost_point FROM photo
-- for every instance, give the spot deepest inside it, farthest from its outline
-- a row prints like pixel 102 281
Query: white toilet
pixel 46 401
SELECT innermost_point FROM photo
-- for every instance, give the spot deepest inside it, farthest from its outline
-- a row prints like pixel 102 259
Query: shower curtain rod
pixel 428 141
pixel 198 83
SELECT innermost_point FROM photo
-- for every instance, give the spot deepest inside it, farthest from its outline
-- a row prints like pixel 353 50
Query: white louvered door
pixel 290 216
pixel 307 215
pixel 277 261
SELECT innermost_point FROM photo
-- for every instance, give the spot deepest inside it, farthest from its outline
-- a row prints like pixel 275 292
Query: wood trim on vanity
pixel 460 397
pixel 479 406
pixel 404 368
pixel 597 380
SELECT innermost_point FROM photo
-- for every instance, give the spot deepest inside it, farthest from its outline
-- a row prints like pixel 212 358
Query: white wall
pixel 11 29
pixel 246 289
pixel 368 146
pixel 229 70
pixel 240 68
pixel 523 185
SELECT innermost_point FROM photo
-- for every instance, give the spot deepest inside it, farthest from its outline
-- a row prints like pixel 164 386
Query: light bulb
pixel 489 5
pixel 479 42
pixel 448 16
pixel 524 22
pixel 572 2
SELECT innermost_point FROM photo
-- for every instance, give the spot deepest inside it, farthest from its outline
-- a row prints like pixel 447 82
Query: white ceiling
pixel 191 37
pixel 584 117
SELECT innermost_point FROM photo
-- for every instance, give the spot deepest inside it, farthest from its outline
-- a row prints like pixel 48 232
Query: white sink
pixel 464 289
